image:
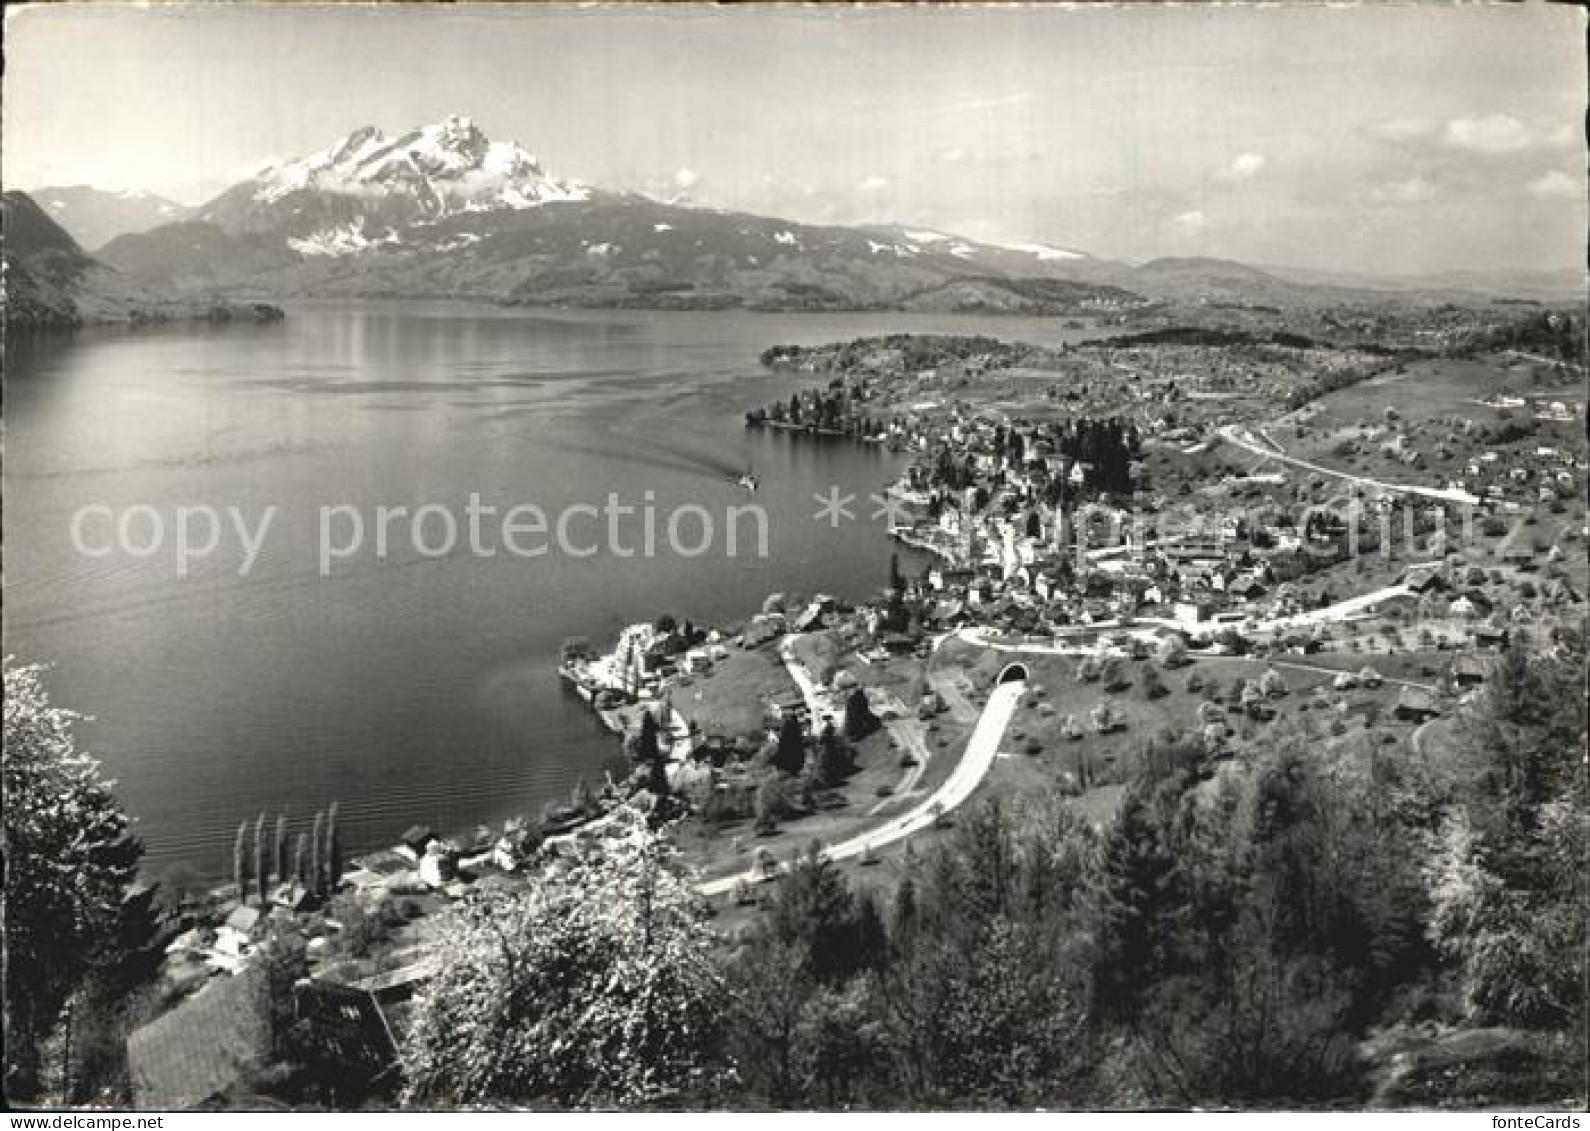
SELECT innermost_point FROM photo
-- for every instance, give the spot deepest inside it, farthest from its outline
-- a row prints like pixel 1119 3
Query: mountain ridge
pixel 51 283
pixel 94 217
pixel 444 211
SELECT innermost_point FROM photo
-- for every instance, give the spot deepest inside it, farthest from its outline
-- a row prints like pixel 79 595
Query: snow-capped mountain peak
pixel 446 167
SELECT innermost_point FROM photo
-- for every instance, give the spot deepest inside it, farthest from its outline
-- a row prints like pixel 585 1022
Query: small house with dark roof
pixel 1414 704
pixel 416 837
pixel 1519 554
pixel 1468 670
pixel 1490 636
pixel 1425 577
pixel 346 1031
pixel 1247 587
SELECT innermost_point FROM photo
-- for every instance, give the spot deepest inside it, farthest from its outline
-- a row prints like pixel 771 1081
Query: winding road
pixel 962 782
pixel 1241 438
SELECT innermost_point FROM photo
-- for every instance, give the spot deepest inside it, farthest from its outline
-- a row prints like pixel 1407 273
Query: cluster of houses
pixel 209 1050
pixel 1171 390
pixel 1525 476
pixel 1009 556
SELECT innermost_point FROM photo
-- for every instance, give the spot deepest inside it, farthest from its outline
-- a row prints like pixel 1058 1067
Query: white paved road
pixel 1242 439
pixel 963 780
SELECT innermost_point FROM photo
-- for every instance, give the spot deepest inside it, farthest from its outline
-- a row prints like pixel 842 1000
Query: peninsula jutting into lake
pixel 665 561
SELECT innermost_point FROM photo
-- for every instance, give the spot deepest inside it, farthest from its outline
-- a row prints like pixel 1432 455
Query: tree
pixel 114 997
pixel 896 579
pixel 284 872
pixel 769 985
pixel 645 746
pixel 262 862
pixel 1136 905
pixel 859 719
pixel 657 778
pixel 814 910
pixel 333 854
pixel 1173 651
pixel 903 921
pixel 832 759
pixel 790 754
pixel 303 863
pixel 592 986
pixel 69 858
pixel 767 807
pixel 317 855
pixel 1507 881
pixel 840 1043
pixel 241 873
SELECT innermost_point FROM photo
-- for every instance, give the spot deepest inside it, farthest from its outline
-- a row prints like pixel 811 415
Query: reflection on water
pixel 406 689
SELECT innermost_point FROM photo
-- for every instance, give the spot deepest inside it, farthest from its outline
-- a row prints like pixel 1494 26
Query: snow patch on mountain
pixel 1044 251
pixel 347 239
pixel 787 238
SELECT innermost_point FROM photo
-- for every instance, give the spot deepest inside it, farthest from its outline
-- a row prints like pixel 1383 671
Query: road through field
pixel 963 780
pixel 1231 434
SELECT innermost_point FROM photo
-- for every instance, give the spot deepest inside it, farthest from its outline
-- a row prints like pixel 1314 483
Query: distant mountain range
pixel 443 210
pixel 50 282
pixel 93 216
pixel 1543 284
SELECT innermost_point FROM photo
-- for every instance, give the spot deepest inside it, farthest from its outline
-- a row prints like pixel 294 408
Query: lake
pixel 410 688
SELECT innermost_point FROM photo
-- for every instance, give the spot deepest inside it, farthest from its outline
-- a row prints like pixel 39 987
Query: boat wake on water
pixel 632 449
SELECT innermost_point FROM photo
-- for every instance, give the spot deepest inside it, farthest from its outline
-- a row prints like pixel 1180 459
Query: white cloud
pixel 1557 184
pixel 1492 134
pixel 1243 167
pixel 687 179
pixel 872 185
pixel 1414 190
pixel 1191 223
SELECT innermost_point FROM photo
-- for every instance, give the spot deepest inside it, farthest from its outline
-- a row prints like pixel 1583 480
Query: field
pixel 1038 753
pixel 728 700
pixel 1426 390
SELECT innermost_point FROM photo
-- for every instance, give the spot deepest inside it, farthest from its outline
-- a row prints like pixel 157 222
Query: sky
pixel 1390 139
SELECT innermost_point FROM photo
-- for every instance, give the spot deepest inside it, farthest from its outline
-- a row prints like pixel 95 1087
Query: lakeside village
pixel 1198 532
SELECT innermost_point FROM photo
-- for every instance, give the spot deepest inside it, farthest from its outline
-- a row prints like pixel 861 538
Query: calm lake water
pixel 413 689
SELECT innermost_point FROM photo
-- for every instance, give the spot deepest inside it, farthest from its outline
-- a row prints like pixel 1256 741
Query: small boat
pixel 748 481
